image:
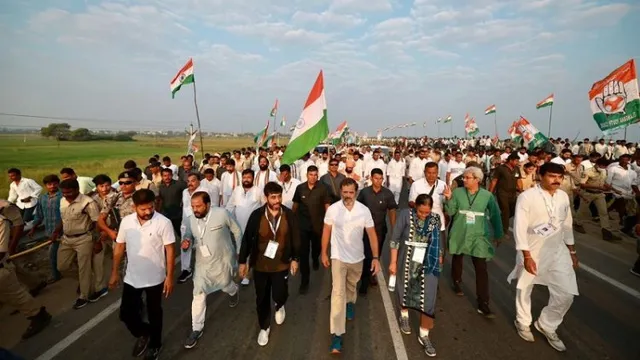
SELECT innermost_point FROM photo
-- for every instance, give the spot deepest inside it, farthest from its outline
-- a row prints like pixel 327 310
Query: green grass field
pixel 38 157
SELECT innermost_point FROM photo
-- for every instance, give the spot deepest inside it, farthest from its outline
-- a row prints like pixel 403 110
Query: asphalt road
pixel 603 323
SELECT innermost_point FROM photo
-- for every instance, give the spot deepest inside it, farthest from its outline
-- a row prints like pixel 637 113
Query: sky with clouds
pixel 385 61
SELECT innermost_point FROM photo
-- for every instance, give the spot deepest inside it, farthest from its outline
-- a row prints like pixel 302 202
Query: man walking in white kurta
pixel 545 255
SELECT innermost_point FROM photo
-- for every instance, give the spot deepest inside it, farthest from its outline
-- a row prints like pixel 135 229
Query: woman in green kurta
pixel 473 210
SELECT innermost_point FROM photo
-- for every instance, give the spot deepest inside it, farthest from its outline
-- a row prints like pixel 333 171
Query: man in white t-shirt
pixel 344 225
pixel 431 185
pixel 148 238
pixel 288 184
pixel 455 168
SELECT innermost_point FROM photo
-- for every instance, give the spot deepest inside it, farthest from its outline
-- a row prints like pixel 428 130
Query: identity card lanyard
pixel 272 247
pixel 202 229
pixel 273 230
pixel 549 206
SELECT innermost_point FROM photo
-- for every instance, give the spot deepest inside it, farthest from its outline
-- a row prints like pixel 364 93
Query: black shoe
pixel 152 353
pixel 36 290
pixel 304 288
pixel 184 276
pixel 609 236
pixel 140 346
pixel 98 295
pixel 580 229
pixel 316 264
pixel 38 323
pixel 483 309
pixel 80 303
pixel 457 288
pixel 362 291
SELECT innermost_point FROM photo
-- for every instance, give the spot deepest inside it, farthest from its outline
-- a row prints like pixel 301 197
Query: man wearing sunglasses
pixel 332 180
pixel 120 205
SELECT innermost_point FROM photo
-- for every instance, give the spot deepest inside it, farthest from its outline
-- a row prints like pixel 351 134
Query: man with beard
pixel 230 179
pixel 332 180
pixel 265 174
pixel 350 173
pixel 209 232
pixel 545 255
pixel 148 238
pixel 344 225
pixel 310 202
pixel 272 243
pixel 186 169
pixel 243 201
pixel 193 185
pixel 323 163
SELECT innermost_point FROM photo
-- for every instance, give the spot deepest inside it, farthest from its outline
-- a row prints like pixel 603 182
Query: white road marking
pixel 611 281
pixel 56 349
pixel 396 335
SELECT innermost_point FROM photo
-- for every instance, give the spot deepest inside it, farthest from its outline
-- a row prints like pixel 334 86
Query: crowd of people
pixel 243 217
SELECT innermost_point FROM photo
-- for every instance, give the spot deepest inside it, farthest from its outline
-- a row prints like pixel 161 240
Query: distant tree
pixel 81 134
pixel 59 131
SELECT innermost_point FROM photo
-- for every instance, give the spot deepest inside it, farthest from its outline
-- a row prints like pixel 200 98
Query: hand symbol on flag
pixel 614 98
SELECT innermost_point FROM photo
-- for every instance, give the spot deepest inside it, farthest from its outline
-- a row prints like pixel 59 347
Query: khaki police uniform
pixel 570 183
pixel 78 219
pixel 12 292
pixel 594 176
pixel 100 263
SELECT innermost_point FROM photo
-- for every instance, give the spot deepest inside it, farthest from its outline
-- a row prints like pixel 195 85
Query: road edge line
pixel 396 335
pixel 63 344
pixel 611 281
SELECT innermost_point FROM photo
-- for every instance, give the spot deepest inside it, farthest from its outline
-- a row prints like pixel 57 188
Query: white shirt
pixel 395 172
pixel 347 230
pixel 174 169
pixel 374 164
pixel 215 189
pixel 22 190
pixel 622 180
pixel 261 178
pixel 416 168
pixel 602 149
pixel 443 166
pixel 422 187
pixel 523 157
pixel 323 167
pixel 359 168
pixel 186 198
pixel 241 204
pixel 551 255
pixel 230 181
pixel 302 174
pixel 288 190
pixel 146 264
pixel 456 169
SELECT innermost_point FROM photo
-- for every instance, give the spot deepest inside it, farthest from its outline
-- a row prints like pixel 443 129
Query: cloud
pixel 394 28
pixel 598 15
pixel 280 33
pixel 361 5
pixel 327 19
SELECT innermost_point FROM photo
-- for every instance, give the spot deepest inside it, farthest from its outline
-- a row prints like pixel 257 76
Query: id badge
pixel 471 218
pixel 545 230
pixel 418 254
pixel 271 250
pixel 204 250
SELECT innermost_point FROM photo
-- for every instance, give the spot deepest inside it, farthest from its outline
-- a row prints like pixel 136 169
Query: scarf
pixel 256 181
pixel 430 230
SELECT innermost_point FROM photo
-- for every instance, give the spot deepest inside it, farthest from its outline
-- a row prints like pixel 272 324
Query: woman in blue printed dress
pixel 416 245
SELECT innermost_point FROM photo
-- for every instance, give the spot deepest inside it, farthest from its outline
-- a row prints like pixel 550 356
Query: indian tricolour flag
pixel 490 110
pixel 546 102
pixel 283 122
pixel 532 137
pixel 615 101
pixel 184 76
pixel 274 109
pixel 312 127
pixel 514 134
pixel 448 119
pixel 261 137
pixel 340 130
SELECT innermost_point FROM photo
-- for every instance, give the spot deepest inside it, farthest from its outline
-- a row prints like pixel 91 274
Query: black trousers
pixel 309 241
pixel 365 278
pixel 270 285
pixel 132 315
pixel 482 277
pixel 507 205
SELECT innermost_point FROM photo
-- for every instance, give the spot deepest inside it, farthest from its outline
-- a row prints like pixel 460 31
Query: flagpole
pixel 451 128
pixel 195 103
pixel 437 122
pixel 495 122
pixel 625 133
pixel 550 113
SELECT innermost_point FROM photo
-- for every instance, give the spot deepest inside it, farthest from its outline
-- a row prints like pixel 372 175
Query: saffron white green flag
pixel 490 110
pixel 532 137
pixel 546 102
pixel 514 134
pixel 615 102
pixel 261 137
pixel 184 76
pixel 470 126
pixel 283 122
pixel 448 119
pixel 312 127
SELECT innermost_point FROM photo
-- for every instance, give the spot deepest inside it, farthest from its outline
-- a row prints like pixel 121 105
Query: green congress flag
pixel 312 126
pixel 615 102
pixel 532 137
